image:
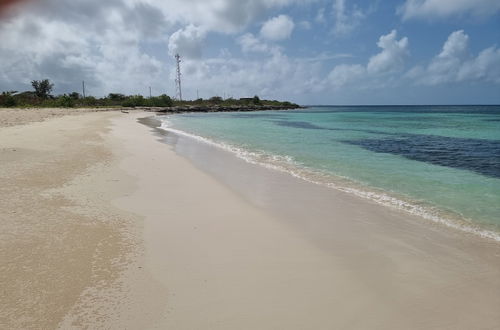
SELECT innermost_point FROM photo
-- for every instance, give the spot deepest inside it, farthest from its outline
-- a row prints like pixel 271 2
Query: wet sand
pixel 106 226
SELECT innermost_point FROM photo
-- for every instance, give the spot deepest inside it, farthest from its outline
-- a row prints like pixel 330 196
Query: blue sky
pixel 309 51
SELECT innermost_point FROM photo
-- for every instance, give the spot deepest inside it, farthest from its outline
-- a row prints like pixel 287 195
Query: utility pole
pixel 178 84
pixel 83 87
pixel 149 91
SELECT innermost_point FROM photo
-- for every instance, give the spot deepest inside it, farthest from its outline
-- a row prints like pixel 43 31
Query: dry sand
pixel 16 116
pixel 56 243
pixel 103 226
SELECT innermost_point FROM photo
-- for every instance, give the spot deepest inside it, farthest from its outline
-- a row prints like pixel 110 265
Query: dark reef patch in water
pixel 255 115
pixel 298 124
pixel 477 155
pixel 250 115
pixel 306 125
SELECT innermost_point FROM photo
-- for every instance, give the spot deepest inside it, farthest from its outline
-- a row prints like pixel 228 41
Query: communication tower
pixel 178 85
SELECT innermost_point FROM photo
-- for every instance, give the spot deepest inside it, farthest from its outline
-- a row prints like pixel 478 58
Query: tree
pixel 74 95
pixel 90 101
pixel 165 101
pixel 256 100
pixel 215 99
pixel 116 97
pixel 42 88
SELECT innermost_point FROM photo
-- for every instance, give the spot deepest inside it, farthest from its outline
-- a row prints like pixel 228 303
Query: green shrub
pixel 89 101
pixel 134 101
pixel 116 97
pixel 160 101
pixel 215 99
pixel 7 100
pixel 65 101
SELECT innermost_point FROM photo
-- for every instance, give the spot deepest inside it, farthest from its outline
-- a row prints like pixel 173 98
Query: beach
pixel 108 222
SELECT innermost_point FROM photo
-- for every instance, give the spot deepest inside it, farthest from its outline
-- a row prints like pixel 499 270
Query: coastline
pixel 424 211
pixel 268 253
pixel 245 248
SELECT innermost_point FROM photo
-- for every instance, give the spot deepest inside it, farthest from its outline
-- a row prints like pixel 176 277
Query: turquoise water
pixel 441 162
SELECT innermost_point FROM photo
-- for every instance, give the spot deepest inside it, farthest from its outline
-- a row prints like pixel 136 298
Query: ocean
pixel 439 162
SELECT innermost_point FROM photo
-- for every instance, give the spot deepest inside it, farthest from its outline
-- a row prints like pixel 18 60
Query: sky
pixel 306 51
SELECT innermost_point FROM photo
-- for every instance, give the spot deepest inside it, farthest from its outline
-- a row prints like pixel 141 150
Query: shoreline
pixel 427 213
pixel 212 242
pixel 389 254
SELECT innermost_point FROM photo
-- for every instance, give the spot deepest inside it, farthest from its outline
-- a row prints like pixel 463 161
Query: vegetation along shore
pixel 41 97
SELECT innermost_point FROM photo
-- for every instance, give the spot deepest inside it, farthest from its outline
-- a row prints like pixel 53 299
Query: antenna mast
pixel 178 85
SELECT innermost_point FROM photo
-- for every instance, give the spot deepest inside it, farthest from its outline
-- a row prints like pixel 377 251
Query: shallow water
pixel 441 162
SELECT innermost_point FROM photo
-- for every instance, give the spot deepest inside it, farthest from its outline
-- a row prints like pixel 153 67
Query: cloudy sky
pixel 307 51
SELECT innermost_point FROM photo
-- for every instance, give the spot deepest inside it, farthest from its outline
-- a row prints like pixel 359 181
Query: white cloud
pixel 326 56
pixel 448 8
pixel 122 46
pixel 227 16
pixel 455 46
pixel 454 64
pixel 484 67
pixel 271 71
pixel 379 70
pixel 272 76
pixel 115 45
pixel 187 42
pixel 277 28
pixel 71 41
pixel 250 43
pixel 445 65
pixel 344 74
pixel 392 56
pixel 346 20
